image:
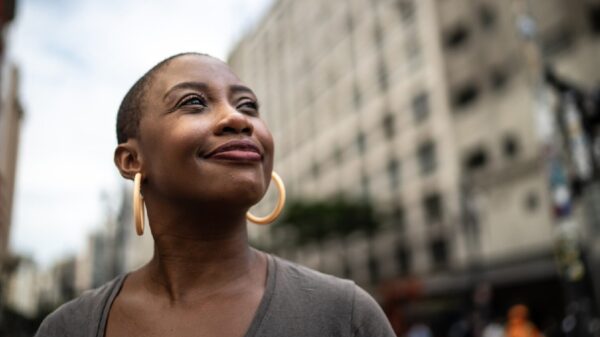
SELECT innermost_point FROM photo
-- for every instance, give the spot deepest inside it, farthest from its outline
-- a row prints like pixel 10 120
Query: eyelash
pixel 202 101
pixel 251 104
pixel 186 100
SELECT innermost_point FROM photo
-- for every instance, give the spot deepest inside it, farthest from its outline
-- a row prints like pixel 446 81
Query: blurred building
pixel 31 293
pixel 427 109
pixel 11 114
pixel 113 249
pixel 56 285
pixel 135 250
pixel 21 291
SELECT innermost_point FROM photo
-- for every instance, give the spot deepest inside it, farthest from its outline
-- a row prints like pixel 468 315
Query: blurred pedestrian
pixel 518 324
pixel 419 330
pixel 493 329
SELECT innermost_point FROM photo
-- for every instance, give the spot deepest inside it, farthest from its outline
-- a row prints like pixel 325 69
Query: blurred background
pixel 444 154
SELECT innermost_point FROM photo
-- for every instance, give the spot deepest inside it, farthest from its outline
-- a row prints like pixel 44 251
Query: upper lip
pixel 240 145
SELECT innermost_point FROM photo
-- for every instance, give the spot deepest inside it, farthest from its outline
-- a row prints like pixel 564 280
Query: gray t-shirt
pixel 297 302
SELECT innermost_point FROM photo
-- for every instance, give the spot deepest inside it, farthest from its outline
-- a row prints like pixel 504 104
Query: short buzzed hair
pixel 130 110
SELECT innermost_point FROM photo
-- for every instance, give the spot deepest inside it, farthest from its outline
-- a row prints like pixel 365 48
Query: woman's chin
pixel 240 193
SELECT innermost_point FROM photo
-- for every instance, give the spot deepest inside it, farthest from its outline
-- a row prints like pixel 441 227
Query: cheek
pixel 265 138
pixel 174 143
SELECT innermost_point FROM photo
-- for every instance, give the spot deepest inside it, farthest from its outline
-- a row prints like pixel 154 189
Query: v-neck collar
pixel 252 329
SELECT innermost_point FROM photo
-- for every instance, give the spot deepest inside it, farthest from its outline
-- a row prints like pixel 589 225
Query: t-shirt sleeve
pixel 368 320
pixel 79 317
pixel 55 324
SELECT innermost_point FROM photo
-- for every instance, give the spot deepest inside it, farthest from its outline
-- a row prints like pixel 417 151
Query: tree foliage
pixel 316 220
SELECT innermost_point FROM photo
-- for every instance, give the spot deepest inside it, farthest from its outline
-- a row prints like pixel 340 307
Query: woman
pixel 190 134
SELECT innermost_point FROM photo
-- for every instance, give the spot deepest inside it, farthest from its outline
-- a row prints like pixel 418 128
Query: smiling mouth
pixel 237 150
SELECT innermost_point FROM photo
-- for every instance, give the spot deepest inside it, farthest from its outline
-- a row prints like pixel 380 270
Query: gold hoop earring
pixel 138 204
pixel 280 202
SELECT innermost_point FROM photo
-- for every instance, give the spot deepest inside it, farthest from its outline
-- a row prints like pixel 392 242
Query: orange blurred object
pixel 518 324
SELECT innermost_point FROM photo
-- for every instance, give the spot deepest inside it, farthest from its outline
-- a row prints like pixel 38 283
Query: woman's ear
pixel 128 159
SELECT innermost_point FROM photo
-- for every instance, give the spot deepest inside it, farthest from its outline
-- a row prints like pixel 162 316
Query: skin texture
pixel 204 279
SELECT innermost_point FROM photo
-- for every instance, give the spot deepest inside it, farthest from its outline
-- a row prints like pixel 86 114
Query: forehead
pixel 194 68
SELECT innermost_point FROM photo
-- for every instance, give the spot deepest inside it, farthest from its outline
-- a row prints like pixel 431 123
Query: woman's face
pixel 201 136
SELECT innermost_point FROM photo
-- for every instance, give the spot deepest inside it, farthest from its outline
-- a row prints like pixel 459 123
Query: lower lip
pixel 237 155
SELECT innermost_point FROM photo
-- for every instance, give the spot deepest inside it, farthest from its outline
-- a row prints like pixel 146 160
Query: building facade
pixel 426 108
pixel 11 114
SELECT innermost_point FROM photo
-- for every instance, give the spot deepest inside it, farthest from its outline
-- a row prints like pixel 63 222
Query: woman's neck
pixel 195 258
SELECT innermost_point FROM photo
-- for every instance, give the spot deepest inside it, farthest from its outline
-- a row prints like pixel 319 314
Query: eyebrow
pixel 187 85
pixel 236 88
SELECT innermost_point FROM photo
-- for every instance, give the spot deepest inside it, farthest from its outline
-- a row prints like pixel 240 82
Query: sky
pixel 77 59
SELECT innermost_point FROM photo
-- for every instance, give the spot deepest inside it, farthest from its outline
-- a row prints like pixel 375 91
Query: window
pixel 413 51
pixel 532 201
pixel 361 142
pixel 337 155
pixel 398 218
pixel 439 253
pixel 388 125
pixel 349 21
pixel 456 36
pixel 432 206
pixel 465 95
pixel 406 10
pixel 487 16
pixel 510 146
pixel 356 96
pixel 403 259
pixel 315 170
pixel 420 107
pixel 378 35
pixel 393 169
pixel 364 182
pixel 498 79
pixel 427 158
pixel 557 40
pixel 382 74
pixel 347 270
pixel 475 160
pixel 373 269
pixel 594 17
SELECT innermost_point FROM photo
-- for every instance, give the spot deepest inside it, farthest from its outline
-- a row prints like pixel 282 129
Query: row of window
pixel 420 109
pixel 459 35
pixel 478 158
pixel 467 94
pixel 426 159
pixel 438 252
pixel 438 247
pixel 406 10
pixel 432 205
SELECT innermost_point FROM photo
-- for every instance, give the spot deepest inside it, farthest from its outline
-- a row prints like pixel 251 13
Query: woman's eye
pixel 249 106
pixel 193 101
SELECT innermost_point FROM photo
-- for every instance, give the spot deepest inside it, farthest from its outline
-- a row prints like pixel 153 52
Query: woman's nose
pixel 233 122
